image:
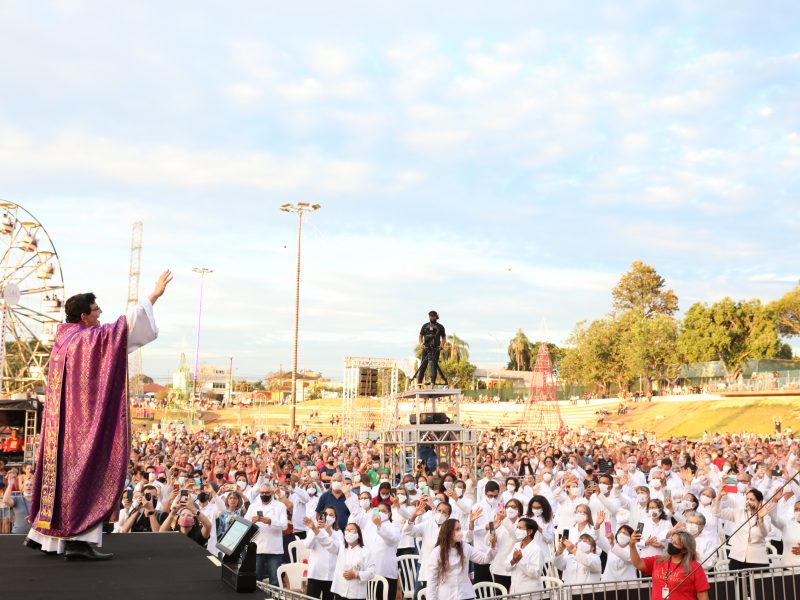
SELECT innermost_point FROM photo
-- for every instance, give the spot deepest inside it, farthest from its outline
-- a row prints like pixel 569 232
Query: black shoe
pixel 32 544
pixel 84 551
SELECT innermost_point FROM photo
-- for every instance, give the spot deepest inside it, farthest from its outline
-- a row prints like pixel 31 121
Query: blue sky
pixel 500 162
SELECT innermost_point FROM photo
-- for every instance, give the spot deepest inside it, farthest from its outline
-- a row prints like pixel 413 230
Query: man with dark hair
pixel 432 337
pixel 86 431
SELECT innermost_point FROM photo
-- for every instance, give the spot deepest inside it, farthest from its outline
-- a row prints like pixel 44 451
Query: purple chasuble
pixel 85 439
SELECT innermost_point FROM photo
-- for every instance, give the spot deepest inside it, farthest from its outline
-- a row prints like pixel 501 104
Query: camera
pixel 148 496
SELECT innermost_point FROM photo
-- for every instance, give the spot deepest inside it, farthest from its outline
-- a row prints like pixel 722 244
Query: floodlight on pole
pixel 202 271
pixel 298 208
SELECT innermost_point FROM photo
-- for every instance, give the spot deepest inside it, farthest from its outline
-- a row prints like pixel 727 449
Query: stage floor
pixel 146 566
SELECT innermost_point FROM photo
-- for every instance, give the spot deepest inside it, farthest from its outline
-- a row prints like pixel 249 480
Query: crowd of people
pixel 582 506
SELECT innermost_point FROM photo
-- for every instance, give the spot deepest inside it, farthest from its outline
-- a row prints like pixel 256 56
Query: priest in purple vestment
pixel 86 429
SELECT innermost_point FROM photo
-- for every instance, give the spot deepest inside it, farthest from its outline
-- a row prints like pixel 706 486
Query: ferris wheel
pixel 31 301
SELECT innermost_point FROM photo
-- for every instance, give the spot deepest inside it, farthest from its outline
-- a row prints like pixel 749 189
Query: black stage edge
pixel 146 566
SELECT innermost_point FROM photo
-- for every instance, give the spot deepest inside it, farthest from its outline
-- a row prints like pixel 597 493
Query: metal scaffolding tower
pixel 542 416
pixel 367 378
pixel 135 385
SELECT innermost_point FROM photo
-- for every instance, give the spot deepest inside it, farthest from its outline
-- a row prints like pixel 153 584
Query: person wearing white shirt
pixel 313 498
pixel 381 537
pixel 606 498
pixel 656 527
pixel 402 512
pixel 544 487
pixel 540 510
pixel 271 517
pixel 579 562
pixel 584 523
pixel 299 498
pixel 751 523
pixel 636 478
pixel 426 526
pixel 322 557
pixel 786 517
pixel 486 511
pixel 705 545
pixel 354 564
pixel 488 475
pixel 513 490
pixel 460 503
pixel 637 506
pixel 448 563
pixel 525 561
pixel 618 563
pixel 506 538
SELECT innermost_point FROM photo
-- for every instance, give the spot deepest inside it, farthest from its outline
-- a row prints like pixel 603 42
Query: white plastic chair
pixel 722 566
pixel 422 594
pixel 407 574
pixel 775 559
pixel 298 553
pixel 295 574
pixel 418 544
pixel 489 589
pixel 372 588
pixel 552 583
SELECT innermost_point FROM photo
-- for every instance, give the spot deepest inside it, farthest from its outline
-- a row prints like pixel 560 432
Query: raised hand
pixel 160 286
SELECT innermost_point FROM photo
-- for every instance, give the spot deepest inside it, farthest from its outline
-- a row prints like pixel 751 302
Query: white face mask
pixel 520 534
pixel 726 468
pixel 459 492
pixel 741 488
pixel 448 485
pixel 656 484
pixel 511 487
pixel 797 516
pixel 384 517
pixel 410 486
pixel 705 500
pixel 329 520
pixel 584 547
pixel 241 484
pixel 512 513
pixel 547 477
pixel 458 537
pixel 631 467
pixel 336 486
pixel 401 498
pixel 365 504
pixel 603 488
pixel 654 512
pixel 580 518
pixel 314 475
pixel 350 537
pixel 357 479
pixel 573 491
pixel 312 491
pixel 623 539
pixel 642 498
pixel 537 512
pixel 439 518
pixel 692 528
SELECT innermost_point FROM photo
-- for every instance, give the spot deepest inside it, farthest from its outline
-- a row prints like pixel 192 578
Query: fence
pixel 753 584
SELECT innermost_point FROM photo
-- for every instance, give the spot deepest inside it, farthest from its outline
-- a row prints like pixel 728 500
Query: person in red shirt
pixel 676 575
pixel 14 444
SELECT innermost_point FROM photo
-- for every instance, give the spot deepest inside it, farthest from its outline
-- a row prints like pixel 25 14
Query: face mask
pixel 672 550
pixel 314 475
pixel 573 491
pixel 797 516
pixel 436 502
pixel 202 497
pixel 520 534
pixel 511 487
pixel 504 470
pixel 726 468
pixel 440 518
pixel 741 488
pixel 619 472
pixel 410 487
pixel 512 513
pixel 537 512
pixel 547 477
pixel 421 484
pixel 265 497
pixel 654 512
pixel 401 498
pixel 492 501
pixel 181 480
pixel 186 521
pixel 336 486
pixel 365 504
pixel 458 537
pixel 692 528
pixel 357 479
pixel 459 492
pixel 312 491
pixel 603 488
pixel 375 466
pixel 689 505
pixel 584 547
pixel 623 539
pixel 384 480
pixel 631 467
pixel 350 537
pixel 329 520
pixel 241 484
pixel 708 461
pixel 580 518
pixel 384 517
pixel 656 484
pixel 705 500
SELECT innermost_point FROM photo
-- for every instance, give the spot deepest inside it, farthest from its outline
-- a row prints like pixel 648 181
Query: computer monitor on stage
pixel 238 534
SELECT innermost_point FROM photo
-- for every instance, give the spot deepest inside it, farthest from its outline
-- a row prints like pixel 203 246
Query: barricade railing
pixel 777 583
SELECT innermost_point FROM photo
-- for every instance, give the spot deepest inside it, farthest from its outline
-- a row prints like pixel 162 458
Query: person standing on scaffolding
pixel 433 338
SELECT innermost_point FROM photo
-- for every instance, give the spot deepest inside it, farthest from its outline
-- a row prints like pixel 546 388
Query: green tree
pixel 650 347
pixel 455 349
pixel 596 357
pixel 643 289
pixel 731 332
pixel 519 352
pixel 787 312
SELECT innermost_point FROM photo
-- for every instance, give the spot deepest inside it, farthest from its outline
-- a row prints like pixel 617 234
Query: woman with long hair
pixel 579 562
pixel 618 563
pixel 354 564
pixel 506 531
pixel 676 573
pixel 541 511
pixel 448 564
pixel 322 558
pixel 656 528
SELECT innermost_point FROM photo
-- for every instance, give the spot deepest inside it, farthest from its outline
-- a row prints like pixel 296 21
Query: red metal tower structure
pixel 542 416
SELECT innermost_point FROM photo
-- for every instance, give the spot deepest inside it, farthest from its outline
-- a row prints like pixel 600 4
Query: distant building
pixel 495 378
pixel 280 383
pixel 212 382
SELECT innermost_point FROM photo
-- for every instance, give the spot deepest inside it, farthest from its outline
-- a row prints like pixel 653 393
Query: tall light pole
pixel 299 208
pixel 203 272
